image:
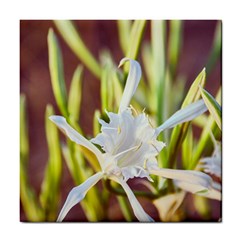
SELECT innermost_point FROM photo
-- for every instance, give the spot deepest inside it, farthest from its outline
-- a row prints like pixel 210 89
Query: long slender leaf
pixel 57 72
pixel 216 49
pixel 75 42
pixel 50 191
pixel 213 107
pixel 124 29
pixel 96 125
pixel 126 209
pixel 205 139
pixel 75 94
pixel 28 196
pixel 24 142
pixel 106 82
pixel 175 42
pixel 179 132
pixel 135 40
pixel 187 149
pixel 158 33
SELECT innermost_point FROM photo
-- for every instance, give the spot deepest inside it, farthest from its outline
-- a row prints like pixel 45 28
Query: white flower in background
pixel 211 165
pixel 130 148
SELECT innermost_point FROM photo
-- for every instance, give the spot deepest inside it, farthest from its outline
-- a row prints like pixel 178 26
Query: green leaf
pixel 135 40
pixel 194 93
pixel 24 142
pixel 50 189
pixel 179 132
pixel 216 48
pixel 158 37
pixel 57 73
pixel 213 107
pixel 124 29
pixel 28 197
pixel 187 149
pixel 125 208
pixel 96 125
pixel 205 140
pixel 75 94
pixel 174 47
pixel 75 42
pixel 106 82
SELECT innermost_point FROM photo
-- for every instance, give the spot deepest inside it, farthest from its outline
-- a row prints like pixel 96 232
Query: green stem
pixel 121 192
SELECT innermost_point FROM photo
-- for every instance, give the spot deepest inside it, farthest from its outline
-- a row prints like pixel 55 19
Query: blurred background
pixel 196 47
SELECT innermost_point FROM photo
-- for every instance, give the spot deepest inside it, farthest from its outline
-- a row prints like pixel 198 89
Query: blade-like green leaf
pixel 194 93
pixel 158 38
pixel 124 29
pixel 118 90
pixel 75 94
pixel 106 82
pixel 135 40
pixel 32 209
pixel 57 72
pixel 179 132
pixel 213 107
pixel 187 149
pixel 216 48
pixel 205 139
pixel 75 42
pixel 50 191
pixel 174 47
pixel 24 142
pixel 126 209
pixel 96 125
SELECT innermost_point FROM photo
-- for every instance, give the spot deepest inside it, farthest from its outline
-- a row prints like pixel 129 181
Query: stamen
pixel 149 121
pixel 128 150
pixel 155 147
pixel 119 130
pixel 110 128
pixel 134 110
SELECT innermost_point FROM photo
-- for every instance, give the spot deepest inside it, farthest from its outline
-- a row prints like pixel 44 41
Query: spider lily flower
pixel 130 146
pixel 211 165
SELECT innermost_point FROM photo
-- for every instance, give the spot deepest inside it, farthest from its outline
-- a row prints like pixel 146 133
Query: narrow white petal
pixel 196 178
pixel 77 194
pixel 210 193
pixel 132 82
pixel 76 137
pixel 186 114
pixel 140 214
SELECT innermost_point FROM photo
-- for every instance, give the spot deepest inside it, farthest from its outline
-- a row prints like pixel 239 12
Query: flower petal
pixel 76 137
pixel 141 215
pixel 211 193
pixel 211 165
pixel 77 194
pixel 135 171
pixel 186 114
pixel 132 82
pixel 198 179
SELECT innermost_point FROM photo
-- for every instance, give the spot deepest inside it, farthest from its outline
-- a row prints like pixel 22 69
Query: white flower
pixel 210 165
pixel 130 148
